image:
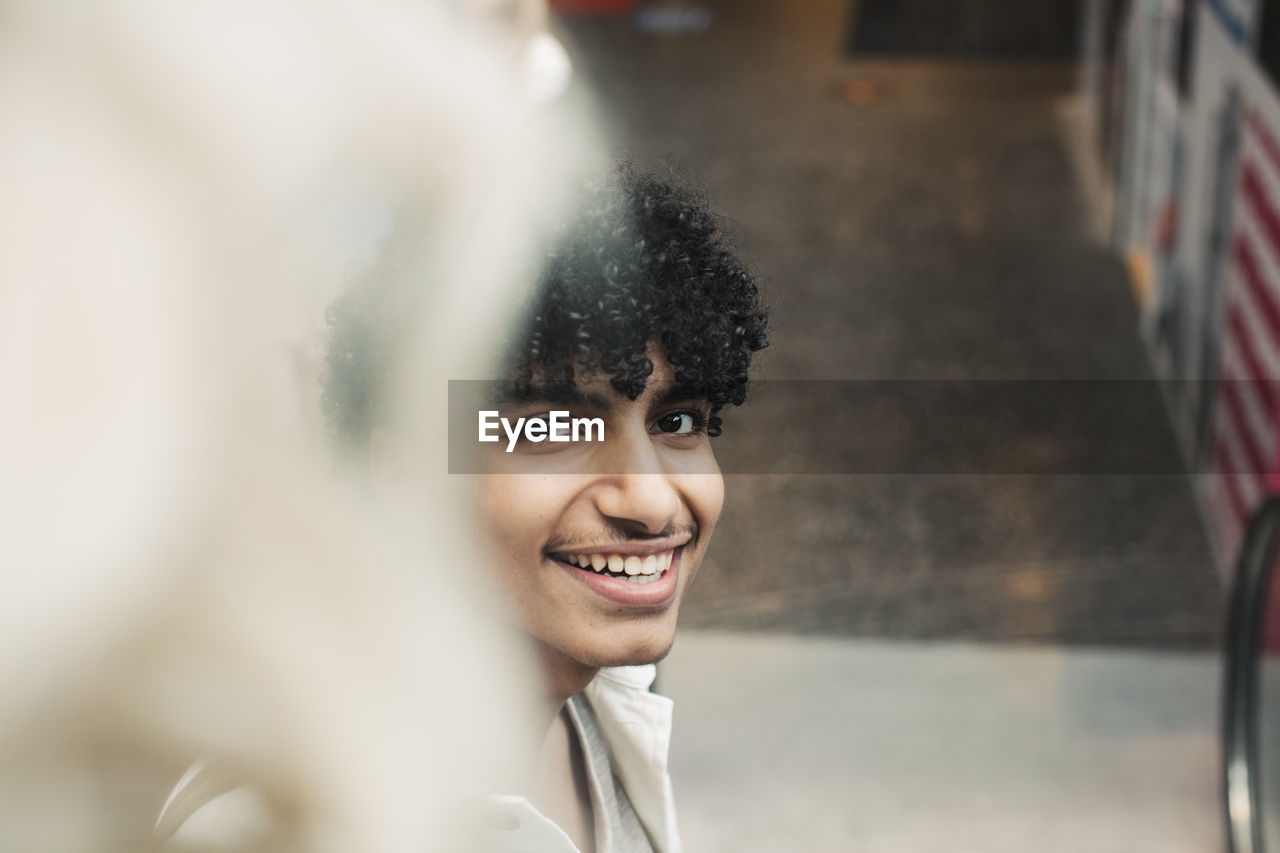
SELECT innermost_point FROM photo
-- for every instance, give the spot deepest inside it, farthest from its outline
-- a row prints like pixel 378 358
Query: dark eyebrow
pixel 559 394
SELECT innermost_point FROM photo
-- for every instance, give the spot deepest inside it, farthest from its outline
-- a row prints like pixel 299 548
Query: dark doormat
pixel 997 28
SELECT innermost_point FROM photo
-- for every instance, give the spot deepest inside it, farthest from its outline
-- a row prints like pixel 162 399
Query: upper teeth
pixel 654 564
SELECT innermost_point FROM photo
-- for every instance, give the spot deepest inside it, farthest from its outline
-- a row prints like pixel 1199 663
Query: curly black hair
pixel 641 260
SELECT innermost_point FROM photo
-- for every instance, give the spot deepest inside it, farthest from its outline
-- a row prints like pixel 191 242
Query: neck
pixel 562 677
pixel 559 785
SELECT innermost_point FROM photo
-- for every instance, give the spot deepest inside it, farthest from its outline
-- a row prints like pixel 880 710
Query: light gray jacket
pixel 635 722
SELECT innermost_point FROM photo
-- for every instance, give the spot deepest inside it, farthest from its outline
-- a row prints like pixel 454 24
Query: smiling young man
pixel 645 321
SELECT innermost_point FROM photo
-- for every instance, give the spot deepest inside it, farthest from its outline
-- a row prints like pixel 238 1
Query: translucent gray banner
pixel 952 427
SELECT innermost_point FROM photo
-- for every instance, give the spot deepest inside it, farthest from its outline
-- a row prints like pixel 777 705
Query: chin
pixel 634 652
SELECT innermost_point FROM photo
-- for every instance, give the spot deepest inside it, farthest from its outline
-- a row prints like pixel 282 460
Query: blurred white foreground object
pixel 177 187
pixel 549 68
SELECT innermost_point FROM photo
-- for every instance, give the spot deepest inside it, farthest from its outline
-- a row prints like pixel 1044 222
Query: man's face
pixel 637 509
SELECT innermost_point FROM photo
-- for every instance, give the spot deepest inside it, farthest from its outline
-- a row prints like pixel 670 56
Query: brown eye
pixel 677 423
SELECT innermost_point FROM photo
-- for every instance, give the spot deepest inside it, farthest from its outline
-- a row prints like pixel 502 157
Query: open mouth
pixel 629 567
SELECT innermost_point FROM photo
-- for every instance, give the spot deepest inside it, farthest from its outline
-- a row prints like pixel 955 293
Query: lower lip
pixel 630 594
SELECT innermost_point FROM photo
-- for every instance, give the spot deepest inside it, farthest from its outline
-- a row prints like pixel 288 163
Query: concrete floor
pixel 836 745
pixel 912 219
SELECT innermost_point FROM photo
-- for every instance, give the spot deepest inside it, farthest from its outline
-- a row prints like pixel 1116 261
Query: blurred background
pixel 1070 192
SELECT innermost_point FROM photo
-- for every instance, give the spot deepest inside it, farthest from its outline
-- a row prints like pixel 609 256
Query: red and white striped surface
pixel 1243 467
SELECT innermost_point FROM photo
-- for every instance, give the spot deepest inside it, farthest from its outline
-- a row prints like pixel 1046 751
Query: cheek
pixel 706 499
pixel 519 511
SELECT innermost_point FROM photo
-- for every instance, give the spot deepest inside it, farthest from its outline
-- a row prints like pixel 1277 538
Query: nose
pixel 634 489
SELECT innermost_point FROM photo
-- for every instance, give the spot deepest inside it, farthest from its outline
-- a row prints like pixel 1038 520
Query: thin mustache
pixel 687 534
